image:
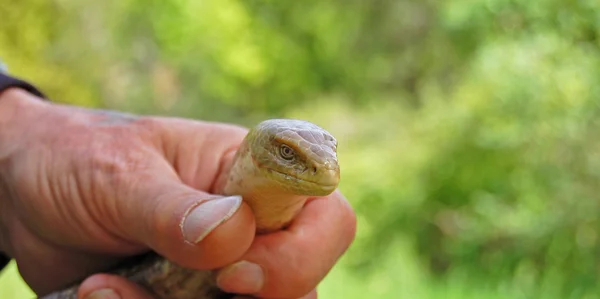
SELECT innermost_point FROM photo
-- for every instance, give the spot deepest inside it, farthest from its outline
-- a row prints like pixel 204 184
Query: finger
pixel 290 263
pixel 200 152
pixel 164 208
pixel 189 227
pixel 104 286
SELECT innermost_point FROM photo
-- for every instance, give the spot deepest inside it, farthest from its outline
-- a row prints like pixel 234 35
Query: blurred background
pixel 468 130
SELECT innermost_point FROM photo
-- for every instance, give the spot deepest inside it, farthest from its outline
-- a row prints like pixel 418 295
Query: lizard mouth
pixel 308 187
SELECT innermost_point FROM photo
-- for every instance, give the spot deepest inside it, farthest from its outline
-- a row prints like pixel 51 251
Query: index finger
pixel 295 260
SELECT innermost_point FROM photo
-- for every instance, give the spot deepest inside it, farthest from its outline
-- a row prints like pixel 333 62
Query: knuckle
pixel 117 156
pixel 111 159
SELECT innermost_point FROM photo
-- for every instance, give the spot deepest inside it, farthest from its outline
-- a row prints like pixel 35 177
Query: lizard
pixel 280 164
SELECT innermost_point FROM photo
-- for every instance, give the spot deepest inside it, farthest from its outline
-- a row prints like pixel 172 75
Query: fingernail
pixel 241 278
pixel 103 294
pixel 204 217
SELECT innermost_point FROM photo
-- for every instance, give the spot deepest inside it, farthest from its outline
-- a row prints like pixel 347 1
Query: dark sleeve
pixel 6 82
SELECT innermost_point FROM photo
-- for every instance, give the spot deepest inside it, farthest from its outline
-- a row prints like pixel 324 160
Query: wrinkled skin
pixel 81 190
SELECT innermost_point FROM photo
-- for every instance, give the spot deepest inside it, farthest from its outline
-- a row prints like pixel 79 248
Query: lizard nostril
pixel 330 165
pixel 314 169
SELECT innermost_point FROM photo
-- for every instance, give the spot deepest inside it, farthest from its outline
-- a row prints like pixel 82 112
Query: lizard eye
pixel 286 152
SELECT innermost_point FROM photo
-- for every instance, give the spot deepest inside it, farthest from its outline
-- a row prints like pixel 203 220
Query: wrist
pixel 14 100
pixel 19 109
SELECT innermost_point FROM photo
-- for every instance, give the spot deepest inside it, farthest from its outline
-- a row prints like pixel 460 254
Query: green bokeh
pixel 468 130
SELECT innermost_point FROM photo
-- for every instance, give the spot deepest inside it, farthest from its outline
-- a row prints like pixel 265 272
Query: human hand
pixel 80 190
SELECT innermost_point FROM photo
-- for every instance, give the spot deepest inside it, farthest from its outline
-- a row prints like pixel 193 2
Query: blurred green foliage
pixel 468 130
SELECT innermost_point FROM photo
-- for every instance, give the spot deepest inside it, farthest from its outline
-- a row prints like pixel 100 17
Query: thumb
pixel 192 228
pixel 105 286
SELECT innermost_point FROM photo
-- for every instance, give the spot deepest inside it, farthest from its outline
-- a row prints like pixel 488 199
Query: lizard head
pixel 298 155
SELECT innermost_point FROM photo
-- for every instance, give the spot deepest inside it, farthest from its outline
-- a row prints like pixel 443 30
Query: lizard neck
pixel 273 211
pixel 274 207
